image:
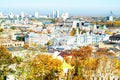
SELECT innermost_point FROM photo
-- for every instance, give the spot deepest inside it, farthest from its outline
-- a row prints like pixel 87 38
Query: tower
pixel 57 14
pixel 1 14
pixel 110 18
pixel 65 16
pixel 11 15
pixel 36 14
pixel 53 14
pixel 22 15
pixel 76 24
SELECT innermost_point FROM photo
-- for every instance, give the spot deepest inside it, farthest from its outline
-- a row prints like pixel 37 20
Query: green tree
pixel 13 27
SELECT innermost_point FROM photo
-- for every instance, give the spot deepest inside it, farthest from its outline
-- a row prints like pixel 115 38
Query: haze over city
pixel 74 7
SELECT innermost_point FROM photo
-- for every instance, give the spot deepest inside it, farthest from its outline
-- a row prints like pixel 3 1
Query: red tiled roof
pixel 64 54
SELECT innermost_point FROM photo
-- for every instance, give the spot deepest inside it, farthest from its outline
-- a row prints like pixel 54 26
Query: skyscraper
pixel 11 15
pixel 36 14
pixel 1 14
pixel 65 16
pixel 22 15
pixel 110 18
pixel 53 14
pixel 57 14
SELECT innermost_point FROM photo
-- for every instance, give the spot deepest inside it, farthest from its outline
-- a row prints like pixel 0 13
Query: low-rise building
pixel 115 38
pixel 11 43
pixel 86 39
pixel 37 39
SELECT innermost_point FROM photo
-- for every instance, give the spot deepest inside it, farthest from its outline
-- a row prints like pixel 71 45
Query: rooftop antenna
pixel 111 12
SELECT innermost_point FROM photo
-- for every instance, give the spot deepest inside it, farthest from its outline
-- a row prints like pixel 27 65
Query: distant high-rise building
pixel 65 16
pixel 30 16
pixel 49 16
pixel 110 18
pixel 57 14
pixel 1 14
pixel 36 14
pixel 22 15
pixel 53 14
pixel 17 16
pixel 11 15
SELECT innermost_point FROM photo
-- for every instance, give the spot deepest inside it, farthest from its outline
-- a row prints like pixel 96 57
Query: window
pixel 97 27
pixel 78 24
pixel 102 78
pixel 82 23
pixel 97 78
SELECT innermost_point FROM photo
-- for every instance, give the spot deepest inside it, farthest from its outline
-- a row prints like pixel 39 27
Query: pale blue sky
pixel 76 7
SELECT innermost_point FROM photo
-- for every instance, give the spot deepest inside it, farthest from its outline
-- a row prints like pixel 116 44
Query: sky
pixel 73 7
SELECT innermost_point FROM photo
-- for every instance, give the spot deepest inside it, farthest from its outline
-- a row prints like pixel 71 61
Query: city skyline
pixel 76 7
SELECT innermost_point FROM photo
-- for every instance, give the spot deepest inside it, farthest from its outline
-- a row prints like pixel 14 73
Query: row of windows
pixel 101 78
pixel 9 45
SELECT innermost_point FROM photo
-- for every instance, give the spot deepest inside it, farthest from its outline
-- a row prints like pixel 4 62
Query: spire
pixel 111 13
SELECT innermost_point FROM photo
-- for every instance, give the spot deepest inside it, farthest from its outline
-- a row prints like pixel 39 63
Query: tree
pixel 117 66
pixel 5 61
pixel 5 56
pixel 82 52
pixel 83 31
pixel 43 49
pixel 79 61
pixel 42 67
pixel 79 30
pixel 53 20
pixel 1 29
pixel 13 27
pixel 56 20
pixel 104 52
pixel 26 46
pixel 73 32
pixel 87 64
pixel 49 43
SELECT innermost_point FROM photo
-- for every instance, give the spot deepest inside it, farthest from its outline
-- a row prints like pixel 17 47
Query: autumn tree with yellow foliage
pixel 42 67
pixel 6 60
pixel 86 63
pixel 73 32
pixel 108 23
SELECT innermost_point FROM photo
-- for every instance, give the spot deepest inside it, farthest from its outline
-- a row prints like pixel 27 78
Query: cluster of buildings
pixel 40 33
pixel 7 40
pixel 54 14
pixel 55 36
